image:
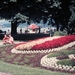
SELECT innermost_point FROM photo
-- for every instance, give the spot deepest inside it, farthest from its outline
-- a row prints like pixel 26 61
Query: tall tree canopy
pixel 19 11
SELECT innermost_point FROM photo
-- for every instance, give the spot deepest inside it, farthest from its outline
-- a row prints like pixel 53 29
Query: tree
pixel 19 18
pixel 36 10
pixel 71 23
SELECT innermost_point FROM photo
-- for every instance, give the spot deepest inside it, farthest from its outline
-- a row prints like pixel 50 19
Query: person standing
pixel 21 30
pixel 8 32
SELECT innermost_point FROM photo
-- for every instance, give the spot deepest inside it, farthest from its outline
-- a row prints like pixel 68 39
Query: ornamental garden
pixel 52 53
pixel 61 61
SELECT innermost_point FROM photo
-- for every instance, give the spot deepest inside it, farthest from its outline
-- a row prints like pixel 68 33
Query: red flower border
pixel 55 43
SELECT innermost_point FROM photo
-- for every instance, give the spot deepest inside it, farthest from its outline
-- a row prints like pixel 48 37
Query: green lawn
pixel 23 70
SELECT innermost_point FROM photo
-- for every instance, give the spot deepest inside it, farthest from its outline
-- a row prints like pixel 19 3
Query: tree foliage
pixel 19 18
pixel 61 11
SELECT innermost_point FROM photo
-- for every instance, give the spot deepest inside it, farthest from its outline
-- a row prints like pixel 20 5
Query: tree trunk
pixel 13 28
pixel 57 26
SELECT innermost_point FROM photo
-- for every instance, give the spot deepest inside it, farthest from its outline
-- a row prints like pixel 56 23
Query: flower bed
pixel 45 43
pixel 51 63
pixel 54 43
pixel 30 44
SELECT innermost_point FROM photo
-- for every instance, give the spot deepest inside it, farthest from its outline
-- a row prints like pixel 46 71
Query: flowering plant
pixel 54 43
pixel 46 43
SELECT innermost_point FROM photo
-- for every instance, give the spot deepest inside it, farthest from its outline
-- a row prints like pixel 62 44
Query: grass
pixel 24 70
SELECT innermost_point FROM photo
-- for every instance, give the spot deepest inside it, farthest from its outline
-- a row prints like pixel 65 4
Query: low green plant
pixel 56 33
pixel 68 62
pixel 54 54
pixel 61 53
pixel 63 33
pixel 60 33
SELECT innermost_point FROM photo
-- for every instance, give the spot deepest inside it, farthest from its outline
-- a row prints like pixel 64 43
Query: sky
pixel 4 22
pixel 41 24
pixel 24 25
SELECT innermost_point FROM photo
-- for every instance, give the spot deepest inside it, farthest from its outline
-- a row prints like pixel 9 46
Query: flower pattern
pixel 46 43
pixel 52 64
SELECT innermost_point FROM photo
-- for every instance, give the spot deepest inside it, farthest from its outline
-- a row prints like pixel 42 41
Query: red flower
pixel 49 44
pixel 54 43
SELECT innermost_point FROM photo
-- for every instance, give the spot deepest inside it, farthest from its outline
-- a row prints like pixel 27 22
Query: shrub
pixel 60 33
pixel 63 33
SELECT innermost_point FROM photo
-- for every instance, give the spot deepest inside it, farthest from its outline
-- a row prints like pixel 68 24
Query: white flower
pixel 71 56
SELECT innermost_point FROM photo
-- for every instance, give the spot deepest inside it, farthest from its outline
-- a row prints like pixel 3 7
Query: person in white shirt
pixel 10 40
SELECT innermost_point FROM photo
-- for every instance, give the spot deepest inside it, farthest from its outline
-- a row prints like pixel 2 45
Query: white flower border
pixel 52 64
pixel 43 51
